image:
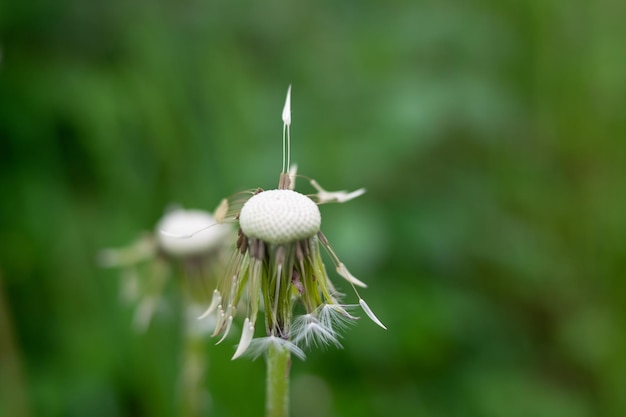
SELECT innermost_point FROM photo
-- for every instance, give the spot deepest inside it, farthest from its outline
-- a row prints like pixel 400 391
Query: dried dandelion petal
pixel 280 216
pixel 286 115
pixel 370 313
pixel 246 337
pixel 335 196
pixel 343 271
pixel 215 302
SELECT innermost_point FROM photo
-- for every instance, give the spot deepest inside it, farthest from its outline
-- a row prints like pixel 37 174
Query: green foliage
pixel 490 136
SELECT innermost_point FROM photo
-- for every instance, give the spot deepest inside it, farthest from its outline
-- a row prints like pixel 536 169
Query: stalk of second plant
pixel 193 369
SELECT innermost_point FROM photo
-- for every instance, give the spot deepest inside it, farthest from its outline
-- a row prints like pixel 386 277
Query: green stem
pixel 192 376
pixel 278 365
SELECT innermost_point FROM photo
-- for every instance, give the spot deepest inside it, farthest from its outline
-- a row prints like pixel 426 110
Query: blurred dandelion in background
pixel 152 260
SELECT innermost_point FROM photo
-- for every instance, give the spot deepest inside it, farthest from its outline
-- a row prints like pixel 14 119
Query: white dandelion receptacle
pixel 280 216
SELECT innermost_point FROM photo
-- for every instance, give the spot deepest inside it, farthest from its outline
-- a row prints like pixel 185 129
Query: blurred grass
pixel 489 136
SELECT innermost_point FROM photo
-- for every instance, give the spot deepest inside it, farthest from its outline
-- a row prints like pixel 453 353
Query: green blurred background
pixel 489 134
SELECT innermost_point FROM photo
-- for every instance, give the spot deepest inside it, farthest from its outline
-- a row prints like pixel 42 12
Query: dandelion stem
pixel 192 376
pixel 278 366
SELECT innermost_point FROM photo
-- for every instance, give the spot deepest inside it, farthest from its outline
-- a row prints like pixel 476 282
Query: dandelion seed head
pixel 278 263
pixel 280 216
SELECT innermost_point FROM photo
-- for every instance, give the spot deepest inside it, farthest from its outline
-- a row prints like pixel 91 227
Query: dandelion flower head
pixel 277 267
